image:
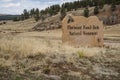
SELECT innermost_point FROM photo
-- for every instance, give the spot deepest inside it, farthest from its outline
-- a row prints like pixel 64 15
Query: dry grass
pixel 18 26
pixel 23 47
pixel 32 44
pixel 15 52
pixel 38 52
pixel 112 30
pixel 15 46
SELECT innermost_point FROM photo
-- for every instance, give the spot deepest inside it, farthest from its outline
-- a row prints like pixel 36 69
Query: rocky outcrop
pixel 49 23
pixel 47 26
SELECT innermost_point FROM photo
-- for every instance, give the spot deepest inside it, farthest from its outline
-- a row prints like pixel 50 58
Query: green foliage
pixel 101 3
pixel 37 15
pixel 86 12
pixel 52 10
pixel 117 3
pixel 96 10
pixel 63 13
pixel 25 14
pixel 80 54
pixel 113 7
pixel 68 6
pixel 32 12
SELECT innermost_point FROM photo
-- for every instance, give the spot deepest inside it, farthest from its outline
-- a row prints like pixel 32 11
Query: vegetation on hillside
pixel 65 7
pixel 68 6
pixel 86 12
pixel 96 10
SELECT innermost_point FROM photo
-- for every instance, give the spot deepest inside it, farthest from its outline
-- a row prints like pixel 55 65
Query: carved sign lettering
pixel 81 31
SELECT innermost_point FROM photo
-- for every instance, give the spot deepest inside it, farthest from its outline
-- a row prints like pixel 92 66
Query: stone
pixel 81 31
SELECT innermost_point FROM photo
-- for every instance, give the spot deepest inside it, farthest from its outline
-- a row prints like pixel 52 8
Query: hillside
pixel 25 25
pixel 54 22
pixel 105 14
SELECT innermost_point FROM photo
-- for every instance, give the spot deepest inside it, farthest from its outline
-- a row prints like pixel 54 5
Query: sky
pixel 17 6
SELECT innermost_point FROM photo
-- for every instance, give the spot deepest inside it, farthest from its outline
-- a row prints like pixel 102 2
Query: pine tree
pixel 32 12
pixel 113 7
pixel 37 15
pixel 101 3
pixel 96 10
pixel 63 13
pixel 86 12
pixel 22 17
pixel 26 14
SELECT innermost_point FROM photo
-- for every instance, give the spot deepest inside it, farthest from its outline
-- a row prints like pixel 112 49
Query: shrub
pixel 80 54
pixel 113 7
pixel 4 22
pixel 86 12
pixel 96 10
pixel 63 13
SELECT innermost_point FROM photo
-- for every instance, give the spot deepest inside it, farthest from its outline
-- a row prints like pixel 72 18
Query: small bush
pixel 96 10
pixel 80 54
pixel 4 22
pixel 86 12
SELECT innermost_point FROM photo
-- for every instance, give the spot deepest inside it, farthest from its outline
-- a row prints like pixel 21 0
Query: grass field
pixel 31 55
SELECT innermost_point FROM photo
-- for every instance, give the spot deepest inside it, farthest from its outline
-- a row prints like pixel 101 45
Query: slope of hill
pixel 25 25
pixel 105 14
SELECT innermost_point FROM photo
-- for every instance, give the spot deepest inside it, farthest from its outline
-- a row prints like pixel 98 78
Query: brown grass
pixel 18 26
pixel 23 47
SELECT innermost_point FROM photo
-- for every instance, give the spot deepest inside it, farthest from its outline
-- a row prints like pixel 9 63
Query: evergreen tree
pixel 113 7
pixel 26 14
pixel 22 17
pixel 86 12
pixel 37 15
pixel 32 12
pixel 108 1
pixel 68 6
pixel 96 10
pixel 63 13
pixel 95 2
pixel 101 3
